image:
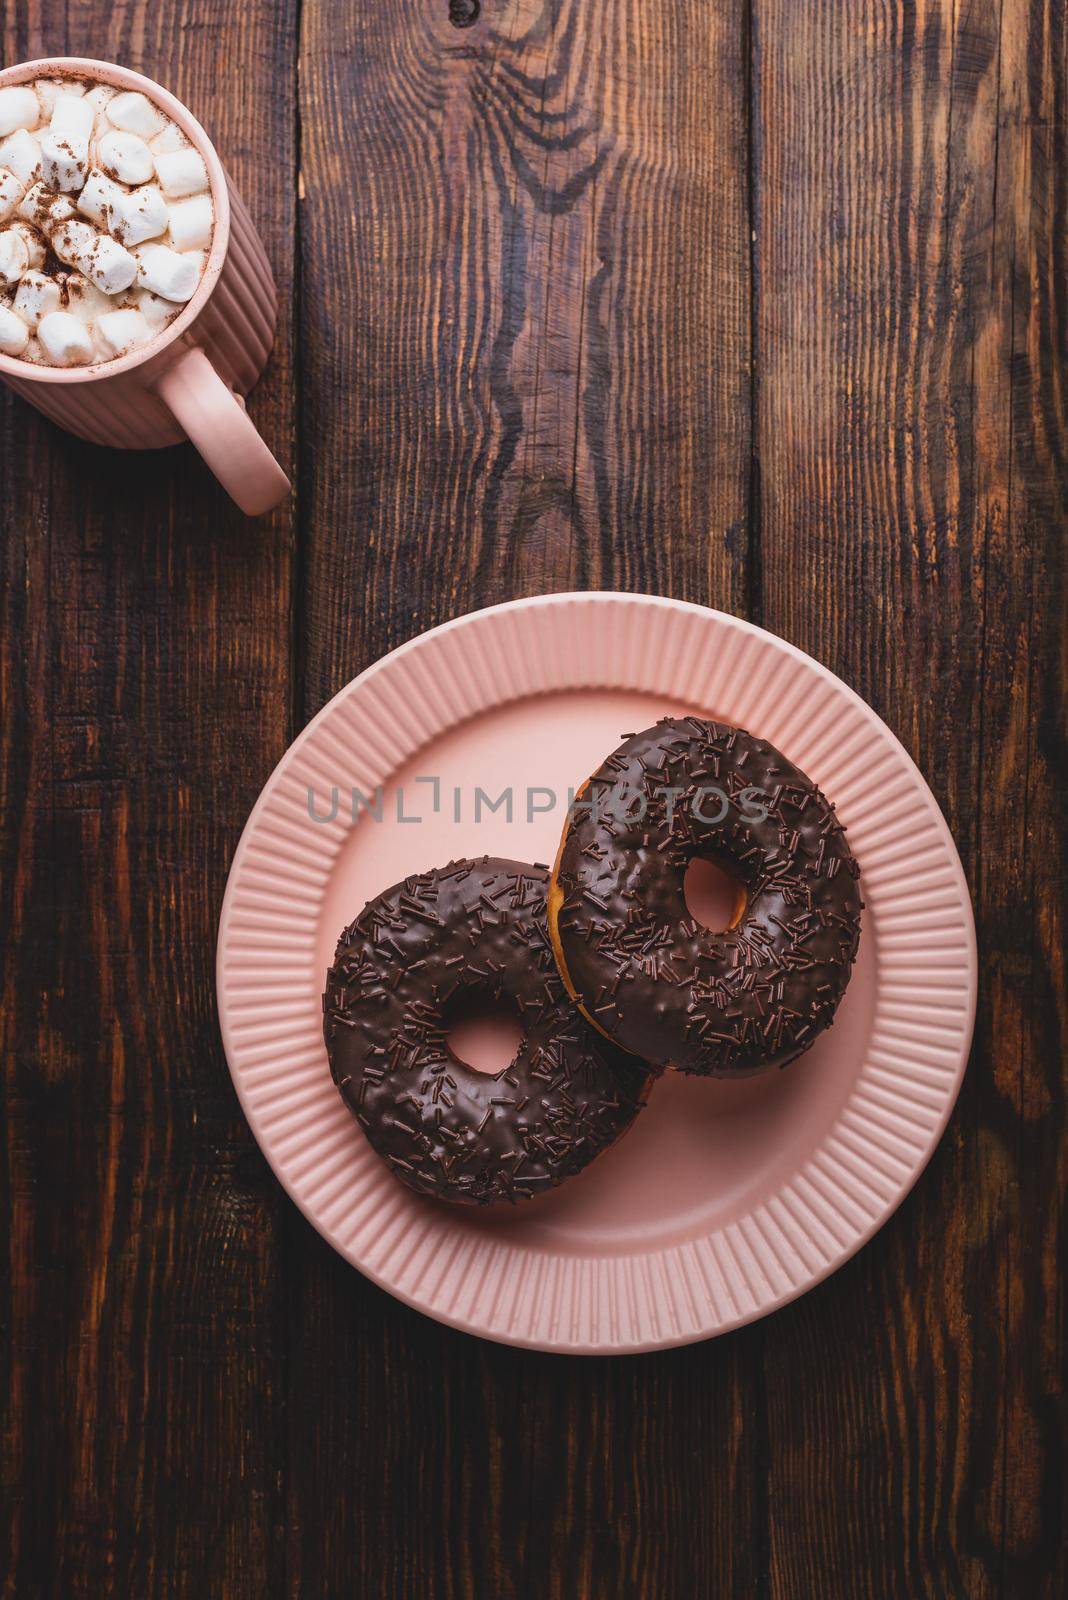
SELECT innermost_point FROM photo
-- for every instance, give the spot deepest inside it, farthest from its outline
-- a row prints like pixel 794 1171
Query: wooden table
pixel 761 305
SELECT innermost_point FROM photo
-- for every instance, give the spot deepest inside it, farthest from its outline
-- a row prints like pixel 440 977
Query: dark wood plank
pixel 911 429
pixel 144 648
pixel 521 376
pixel 1022 477
pixel 525 331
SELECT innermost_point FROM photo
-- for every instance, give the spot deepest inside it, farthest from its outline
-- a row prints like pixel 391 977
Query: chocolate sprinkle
pixel 717 1004
pixel 445 1129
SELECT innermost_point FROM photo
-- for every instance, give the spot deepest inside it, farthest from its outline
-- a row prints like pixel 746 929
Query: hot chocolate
pixel 106 220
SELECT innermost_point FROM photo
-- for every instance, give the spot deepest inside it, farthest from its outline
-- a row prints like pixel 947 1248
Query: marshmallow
pixel 167 273
pixel 35 245
pixel 14 257
pixel 65 340
pixel 132 215
pixel 85 301
pixel 191 223
pixel 65 147
pixel 172 138
pixel 135 113
pixel 101 200
pixel 20 162
pixel 103 260
pixel 20 249
pixel 121 330
pixel 19 108
pixel 21 154
pixel 49 90
pixel 73 239
pixel 181 172
pixel 14 334
pixel 108 264
pixel 11 192
pixel 98 98
pixel 72 115
pixel 142 215
pixel 42 208
pixel 125 156
pixel 156 311
pixel 37 295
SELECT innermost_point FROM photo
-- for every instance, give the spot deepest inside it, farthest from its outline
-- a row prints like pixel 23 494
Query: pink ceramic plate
pixel 725 1200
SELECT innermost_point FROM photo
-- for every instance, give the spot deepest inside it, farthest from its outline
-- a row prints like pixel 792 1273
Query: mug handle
pixel 214 418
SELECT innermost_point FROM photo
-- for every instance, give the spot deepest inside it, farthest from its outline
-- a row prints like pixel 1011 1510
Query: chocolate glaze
pixel 655 981
pixel 475 928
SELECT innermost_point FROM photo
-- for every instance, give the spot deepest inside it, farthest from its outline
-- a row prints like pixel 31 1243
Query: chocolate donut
pixel 474 929
pixel 642 970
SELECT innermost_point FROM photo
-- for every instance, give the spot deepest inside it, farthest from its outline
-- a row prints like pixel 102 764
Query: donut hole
pixel 483 1032
pixel 714 897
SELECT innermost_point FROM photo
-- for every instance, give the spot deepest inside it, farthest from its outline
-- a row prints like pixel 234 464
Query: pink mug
pixel 189 380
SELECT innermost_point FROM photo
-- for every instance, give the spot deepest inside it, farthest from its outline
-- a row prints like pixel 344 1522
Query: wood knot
pixel 462 13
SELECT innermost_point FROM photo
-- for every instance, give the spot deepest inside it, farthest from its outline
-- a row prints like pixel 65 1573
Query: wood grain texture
pixel 144 672
pixel 529 380
pixel 761 307
pixel 911 428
